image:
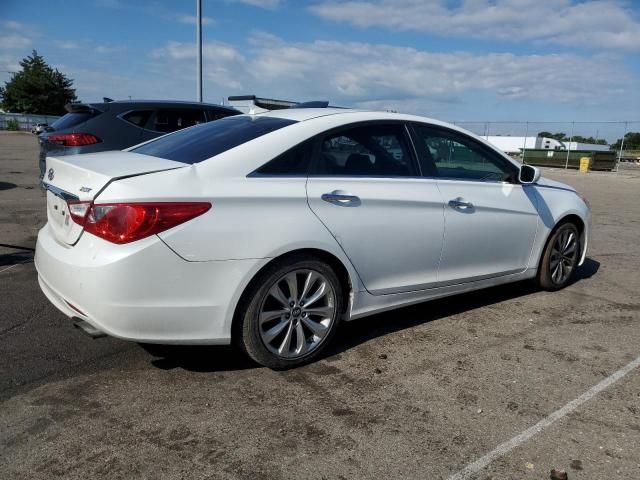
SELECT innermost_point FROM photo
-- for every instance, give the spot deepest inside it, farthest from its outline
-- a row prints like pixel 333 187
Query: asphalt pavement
pixel 419 393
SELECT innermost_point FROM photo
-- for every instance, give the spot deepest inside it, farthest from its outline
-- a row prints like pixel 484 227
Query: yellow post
pixel 584 164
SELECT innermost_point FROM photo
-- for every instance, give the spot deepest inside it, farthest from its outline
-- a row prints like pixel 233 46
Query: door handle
pixel 339 197
pixel 460 203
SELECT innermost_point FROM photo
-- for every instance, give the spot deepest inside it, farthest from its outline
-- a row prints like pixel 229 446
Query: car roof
pixel 155 104
pixel 304 114
pixel 171 102
pixel 352 115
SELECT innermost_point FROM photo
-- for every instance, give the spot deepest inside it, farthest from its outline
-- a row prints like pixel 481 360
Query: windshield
pixel 195 144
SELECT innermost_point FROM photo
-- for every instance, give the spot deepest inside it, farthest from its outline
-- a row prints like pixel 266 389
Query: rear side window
pixel 170 120
pixel 292 162
pixel 370 150
pixel 207 140
pixel 71 120
pixel 137 117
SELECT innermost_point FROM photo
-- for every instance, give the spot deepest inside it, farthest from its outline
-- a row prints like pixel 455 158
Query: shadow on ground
pixel 199 358
pixel 16 258
pixel 352 334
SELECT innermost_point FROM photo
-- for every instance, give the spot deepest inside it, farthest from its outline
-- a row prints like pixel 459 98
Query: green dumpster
pixel 598 160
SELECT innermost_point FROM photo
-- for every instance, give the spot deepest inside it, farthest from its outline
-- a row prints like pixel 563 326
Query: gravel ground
pixel 419 392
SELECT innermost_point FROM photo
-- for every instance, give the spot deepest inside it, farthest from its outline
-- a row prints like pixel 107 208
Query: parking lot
pixel 421 392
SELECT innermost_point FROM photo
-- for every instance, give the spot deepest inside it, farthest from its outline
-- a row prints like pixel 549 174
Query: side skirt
pixel 365 304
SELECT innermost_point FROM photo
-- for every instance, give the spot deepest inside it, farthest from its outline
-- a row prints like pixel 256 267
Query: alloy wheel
pixel 563 256
pixel 297 313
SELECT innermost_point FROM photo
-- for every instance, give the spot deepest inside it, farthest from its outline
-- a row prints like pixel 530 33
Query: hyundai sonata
pixel 268 230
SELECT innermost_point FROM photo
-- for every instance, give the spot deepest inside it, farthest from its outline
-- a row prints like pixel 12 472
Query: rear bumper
pixel 142 291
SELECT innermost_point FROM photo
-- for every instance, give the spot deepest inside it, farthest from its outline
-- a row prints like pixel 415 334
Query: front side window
pixel 207 140
pixel 376 150
pixel 451 155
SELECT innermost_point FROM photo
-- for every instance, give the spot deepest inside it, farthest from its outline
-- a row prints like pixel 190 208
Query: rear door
pixel 365 187
pixel 490 219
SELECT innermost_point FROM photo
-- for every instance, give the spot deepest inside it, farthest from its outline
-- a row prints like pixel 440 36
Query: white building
pixel 514 145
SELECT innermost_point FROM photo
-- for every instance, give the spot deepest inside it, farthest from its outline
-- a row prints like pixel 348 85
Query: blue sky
pixel 485 60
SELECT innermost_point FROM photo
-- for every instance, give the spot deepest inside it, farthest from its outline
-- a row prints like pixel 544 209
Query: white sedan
pixel 268 230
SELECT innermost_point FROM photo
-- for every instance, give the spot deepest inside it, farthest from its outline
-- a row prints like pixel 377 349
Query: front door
pixel 490 219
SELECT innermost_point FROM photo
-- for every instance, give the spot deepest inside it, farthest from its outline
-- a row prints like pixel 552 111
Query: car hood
pixel 547 182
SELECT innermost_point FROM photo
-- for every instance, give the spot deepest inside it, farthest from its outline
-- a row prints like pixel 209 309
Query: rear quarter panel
pixel 250 218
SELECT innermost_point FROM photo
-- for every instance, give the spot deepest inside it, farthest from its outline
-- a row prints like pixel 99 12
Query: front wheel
pixel 290 314
pixel 560 258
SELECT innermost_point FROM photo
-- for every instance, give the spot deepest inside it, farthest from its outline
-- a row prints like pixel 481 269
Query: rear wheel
pixel 560 258
pixel 290 313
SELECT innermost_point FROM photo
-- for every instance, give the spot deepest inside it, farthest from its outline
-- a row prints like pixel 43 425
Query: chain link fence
pixel 25 121
pixel 573 133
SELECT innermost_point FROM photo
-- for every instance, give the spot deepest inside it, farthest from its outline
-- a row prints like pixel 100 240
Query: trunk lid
pixel 83 177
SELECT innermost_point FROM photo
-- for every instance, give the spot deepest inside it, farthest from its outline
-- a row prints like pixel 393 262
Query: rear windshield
pixel 192 145
pixel 70 120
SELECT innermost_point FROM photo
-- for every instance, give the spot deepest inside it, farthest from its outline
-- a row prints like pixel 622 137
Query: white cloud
pixel 351 72
pixel 109 3
pixel 104 49
pixel 212 51
pixel 191 20
pixel 223 62
pixel 609 24
pixel 15 35
pixel 12 25
pixel 8 64
pixel 268 4
pixel 66 44
pixel 14 41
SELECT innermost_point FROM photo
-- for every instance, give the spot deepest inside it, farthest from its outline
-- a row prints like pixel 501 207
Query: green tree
pixel 37 88
pixel 631 142
pixel 581 139
pixel 557 136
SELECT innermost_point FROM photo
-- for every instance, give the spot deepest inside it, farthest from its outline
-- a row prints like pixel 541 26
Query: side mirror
pixel 528 174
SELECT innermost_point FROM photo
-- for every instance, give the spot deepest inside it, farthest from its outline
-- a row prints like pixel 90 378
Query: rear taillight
pixel 128 222
pixel 78 211
pixel 73 139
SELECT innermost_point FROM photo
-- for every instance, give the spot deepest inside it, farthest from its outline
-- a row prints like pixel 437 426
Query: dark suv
pixel 96 127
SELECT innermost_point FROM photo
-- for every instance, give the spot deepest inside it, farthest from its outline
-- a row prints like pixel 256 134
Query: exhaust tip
pixel 88 329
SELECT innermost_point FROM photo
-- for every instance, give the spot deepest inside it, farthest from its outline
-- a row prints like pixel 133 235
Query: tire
pixel 560 258
pixel 275 327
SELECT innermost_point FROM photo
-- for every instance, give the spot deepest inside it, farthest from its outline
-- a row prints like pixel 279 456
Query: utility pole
pixel 524 144
pixel 626 126
pixel 566 165
pixel 199 49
